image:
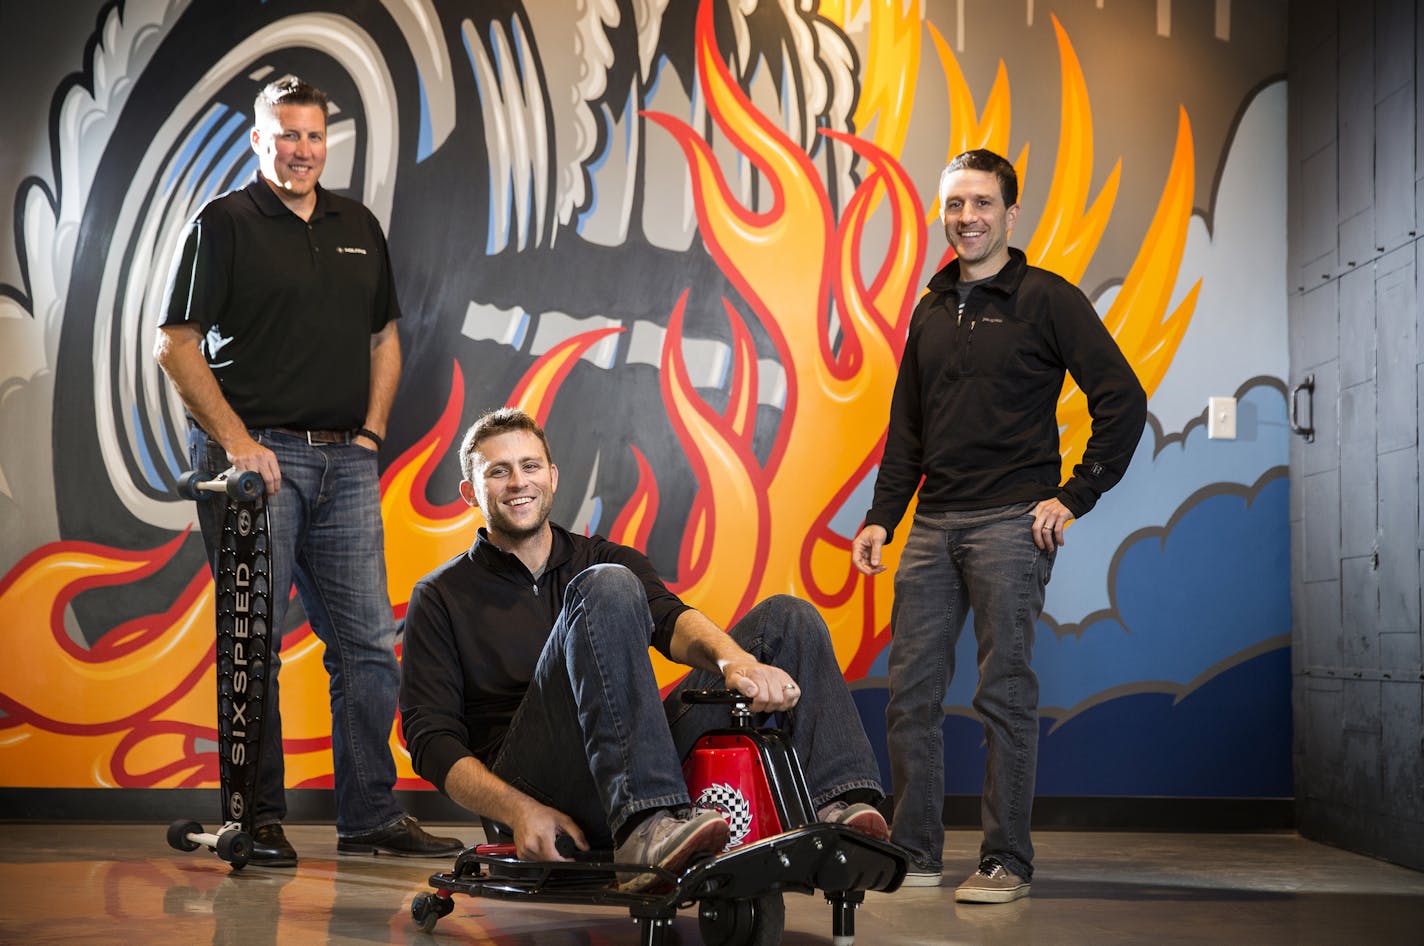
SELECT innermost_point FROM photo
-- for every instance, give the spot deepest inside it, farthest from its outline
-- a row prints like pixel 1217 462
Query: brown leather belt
pixel 314 437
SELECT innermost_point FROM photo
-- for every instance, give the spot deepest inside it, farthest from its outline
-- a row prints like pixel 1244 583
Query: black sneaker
pixel 405 838
pixel 270 847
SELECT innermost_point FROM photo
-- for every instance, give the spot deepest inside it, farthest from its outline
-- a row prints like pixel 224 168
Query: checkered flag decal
pixel 732 805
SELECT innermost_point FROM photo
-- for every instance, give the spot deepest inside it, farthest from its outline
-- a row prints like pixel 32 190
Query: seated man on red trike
pixel 527 695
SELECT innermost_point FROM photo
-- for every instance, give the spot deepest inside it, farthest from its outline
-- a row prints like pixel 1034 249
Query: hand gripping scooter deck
pixel 752 776
pixel 243 604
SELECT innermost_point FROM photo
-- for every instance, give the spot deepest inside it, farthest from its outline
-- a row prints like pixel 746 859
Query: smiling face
pixel 976 222
pixel 291 149
pixel 513 483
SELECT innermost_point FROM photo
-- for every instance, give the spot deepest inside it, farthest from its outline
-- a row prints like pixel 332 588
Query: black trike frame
pixel 729 888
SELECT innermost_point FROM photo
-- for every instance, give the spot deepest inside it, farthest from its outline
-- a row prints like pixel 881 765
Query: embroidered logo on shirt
pixel 215 342
pixel 351 249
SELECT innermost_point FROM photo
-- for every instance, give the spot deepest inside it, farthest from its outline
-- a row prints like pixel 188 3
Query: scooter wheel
pixel 235 847
pixel 178 833
pixel 245 486
pixel 427 909
pixel 755 922
pixel 188 484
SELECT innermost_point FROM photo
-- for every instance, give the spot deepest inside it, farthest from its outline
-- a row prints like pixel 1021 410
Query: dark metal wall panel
pixel 1396 321
pixel 1356 119
pixel 1322 625
pixel 1322 526
pixel 1319 218
pixel 1400 656
pixel 1403 715
pixel 1357 240
pixel 1419 95
pixel 1394 46
pixel 1356 321
pixel 1418 198
pixel 1321 738
pixel 1315 321
pixel 1394 170
pixel 1362 729
pixel 1357 327
pixel 1359 613
pixel 1358 489
pixel 1399 540
pixel 1316 102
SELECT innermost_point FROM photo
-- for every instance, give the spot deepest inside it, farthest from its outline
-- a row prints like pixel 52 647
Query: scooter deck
pixel 243 594
pixel 244 634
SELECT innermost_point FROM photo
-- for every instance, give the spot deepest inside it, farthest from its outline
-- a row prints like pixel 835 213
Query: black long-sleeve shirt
pixel 975 405
pixel 474 630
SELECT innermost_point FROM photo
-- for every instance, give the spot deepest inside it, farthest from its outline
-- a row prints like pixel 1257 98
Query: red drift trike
pixel 750 775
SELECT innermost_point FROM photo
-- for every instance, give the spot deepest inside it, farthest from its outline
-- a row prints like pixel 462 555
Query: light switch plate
pixel 1221 418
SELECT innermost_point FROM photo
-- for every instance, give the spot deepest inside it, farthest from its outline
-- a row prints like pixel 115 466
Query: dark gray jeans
pixel 594 738
pixel 985 560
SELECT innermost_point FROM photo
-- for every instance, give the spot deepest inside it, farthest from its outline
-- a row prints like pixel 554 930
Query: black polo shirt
pixel 287 307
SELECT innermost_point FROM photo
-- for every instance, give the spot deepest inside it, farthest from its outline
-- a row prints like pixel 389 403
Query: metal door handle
pixel 1307 384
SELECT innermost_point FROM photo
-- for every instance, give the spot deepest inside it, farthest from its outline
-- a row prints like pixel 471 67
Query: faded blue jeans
pixel 328 538
pixel 594 739
pixel 985 560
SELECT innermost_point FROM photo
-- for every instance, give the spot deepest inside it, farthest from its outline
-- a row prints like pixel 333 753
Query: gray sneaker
pixel 992 883
pixel 862 817
pixel 668 839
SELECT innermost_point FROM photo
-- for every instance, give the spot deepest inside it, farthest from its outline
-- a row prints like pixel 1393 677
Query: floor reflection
pixel 63 884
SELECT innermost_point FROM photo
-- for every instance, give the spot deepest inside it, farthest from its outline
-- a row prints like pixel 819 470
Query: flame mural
pixel 818 238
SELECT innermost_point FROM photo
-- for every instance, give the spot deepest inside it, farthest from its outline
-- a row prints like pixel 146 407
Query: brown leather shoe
pixel 405 838
pixel 270 847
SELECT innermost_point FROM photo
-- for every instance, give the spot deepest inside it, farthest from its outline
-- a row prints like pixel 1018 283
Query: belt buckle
pixel 310 441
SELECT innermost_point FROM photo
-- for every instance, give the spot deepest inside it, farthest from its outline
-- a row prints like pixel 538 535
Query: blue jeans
pixel 593 738
pixel 985 560
pixel 327 537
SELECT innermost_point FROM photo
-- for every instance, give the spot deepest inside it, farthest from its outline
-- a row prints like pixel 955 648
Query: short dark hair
pixel 492 424
pixel 982 159
pixel 288 90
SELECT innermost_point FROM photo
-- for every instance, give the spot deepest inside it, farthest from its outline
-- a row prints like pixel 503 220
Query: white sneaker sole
pixel 991 894
pixel 922 880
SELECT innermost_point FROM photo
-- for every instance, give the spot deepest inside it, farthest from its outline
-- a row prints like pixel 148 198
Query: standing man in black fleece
pixel 975 415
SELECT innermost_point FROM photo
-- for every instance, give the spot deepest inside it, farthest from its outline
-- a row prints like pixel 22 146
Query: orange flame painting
pixel 137 708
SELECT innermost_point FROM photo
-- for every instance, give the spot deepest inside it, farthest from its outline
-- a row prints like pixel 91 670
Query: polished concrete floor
pixel 104 884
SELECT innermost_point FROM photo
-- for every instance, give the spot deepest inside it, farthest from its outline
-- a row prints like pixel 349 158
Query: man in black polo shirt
pixel 279 333
pixel 528 697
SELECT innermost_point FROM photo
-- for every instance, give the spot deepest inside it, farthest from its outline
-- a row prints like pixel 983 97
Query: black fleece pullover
pixel 474 630
pixel 974 411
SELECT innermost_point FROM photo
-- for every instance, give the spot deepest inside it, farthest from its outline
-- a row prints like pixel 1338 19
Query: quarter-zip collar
pixel 510 566
pixel 1005 282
